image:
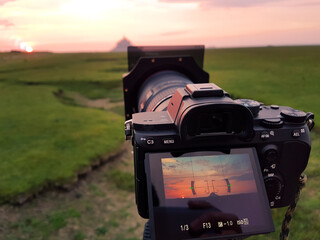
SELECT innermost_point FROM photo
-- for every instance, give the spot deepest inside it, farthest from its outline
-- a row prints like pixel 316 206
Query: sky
pixel 208 174
pixel 96 25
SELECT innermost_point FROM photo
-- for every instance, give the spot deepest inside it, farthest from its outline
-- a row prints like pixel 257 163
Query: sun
pixel 29 49
pixel 26 47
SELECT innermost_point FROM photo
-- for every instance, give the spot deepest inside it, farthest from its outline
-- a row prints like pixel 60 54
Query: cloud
pixel 222 3
pixel 6 23
pixel 2 2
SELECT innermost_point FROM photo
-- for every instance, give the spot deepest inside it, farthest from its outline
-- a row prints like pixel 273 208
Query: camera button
pixel 150 141
pixel 274 107
pixel 296 133
pixel 167 141
pixel 271 155
pixel 264 135
pixel 272 123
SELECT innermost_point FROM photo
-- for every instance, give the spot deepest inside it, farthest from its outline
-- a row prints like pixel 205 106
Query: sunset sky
pixel 96 25
pixel 208 173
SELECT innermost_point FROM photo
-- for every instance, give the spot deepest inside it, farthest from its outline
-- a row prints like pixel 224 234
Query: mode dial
pixel 253 105
pixel 273 186
pixel 294 116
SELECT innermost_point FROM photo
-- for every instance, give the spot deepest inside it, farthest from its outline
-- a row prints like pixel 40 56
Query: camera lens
pixel 157 90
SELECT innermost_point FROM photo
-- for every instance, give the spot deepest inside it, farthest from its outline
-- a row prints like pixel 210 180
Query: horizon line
pixel 209 47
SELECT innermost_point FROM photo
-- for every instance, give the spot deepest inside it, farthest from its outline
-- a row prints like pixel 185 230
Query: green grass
pixel 47 225
pixel 79 236
pixel 46 142
pixel 42 141
pixel 122 180
pixel 101 231
pixel 92 75
pixel 284 76
pixel 274 75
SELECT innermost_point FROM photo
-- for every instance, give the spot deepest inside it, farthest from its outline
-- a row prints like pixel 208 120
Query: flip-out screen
pixel 206 195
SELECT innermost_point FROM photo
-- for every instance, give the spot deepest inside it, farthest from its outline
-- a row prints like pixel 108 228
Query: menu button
pixel 168 141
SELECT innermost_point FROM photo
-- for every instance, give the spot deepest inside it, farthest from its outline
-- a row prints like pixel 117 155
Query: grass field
pixel 46 140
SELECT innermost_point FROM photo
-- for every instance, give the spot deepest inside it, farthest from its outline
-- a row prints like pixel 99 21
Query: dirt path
pixel 95 209
pixel 98 103
pixel 102 103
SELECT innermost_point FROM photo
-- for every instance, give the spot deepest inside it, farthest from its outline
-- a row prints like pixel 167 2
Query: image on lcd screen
pixel 207 176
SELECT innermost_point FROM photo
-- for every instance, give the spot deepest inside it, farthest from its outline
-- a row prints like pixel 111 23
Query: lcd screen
pixel 206 195
pixel 207 176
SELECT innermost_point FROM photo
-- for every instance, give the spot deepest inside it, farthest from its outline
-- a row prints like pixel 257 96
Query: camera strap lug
pixel 128 129
pixel 310 120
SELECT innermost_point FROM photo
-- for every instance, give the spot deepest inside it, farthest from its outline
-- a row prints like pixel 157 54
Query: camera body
pixel 279 134
pixel 184 113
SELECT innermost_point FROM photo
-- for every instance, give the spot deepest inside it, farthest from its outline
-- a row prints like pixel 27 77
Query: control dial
pixel 270 154
pixel 272 123
pixel 273 186
pixel 294 116
pixel 253 106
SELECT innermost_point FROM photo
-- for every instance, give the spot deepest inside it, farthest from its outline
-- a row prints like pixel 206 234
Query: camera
pixel 198 151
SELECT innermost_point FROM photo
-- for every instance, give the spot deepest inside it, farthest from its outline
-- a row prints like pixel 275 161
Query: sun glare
pixel 29 49
pixel 26 47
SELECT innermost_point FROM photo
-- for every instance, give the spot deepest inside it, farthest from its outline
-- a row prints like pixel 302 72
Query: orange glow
pixel 219 187
pixel 80 25
pixel 190 177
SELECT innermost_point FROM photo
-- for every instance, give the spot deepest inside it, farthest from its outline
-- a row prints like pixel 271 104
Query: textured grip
pixel 147 233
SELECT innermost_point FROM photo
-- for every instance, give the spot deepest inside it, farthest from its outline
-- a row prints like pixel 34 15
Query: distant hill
pixel 122 45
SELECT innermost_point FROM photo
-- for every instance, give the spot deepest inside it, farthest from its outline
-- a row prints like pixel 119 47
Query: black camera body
pixel 279 134
pixel 201 116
